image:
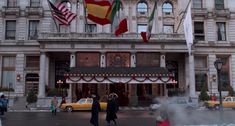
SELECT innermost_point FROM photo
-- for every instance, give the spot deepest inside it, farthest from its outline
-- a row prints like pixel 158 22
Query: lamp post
pixel 218 65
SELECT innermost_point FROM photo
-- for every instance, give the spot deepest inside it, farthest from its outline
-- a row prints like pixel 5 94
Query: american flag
pixel 61 13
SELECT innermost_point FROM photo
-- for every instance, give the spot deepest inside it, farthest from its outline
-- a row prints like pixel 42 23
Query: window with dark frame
pixel 199 31
pixel 167 8
pixel 33 29
pixel 201 81
pixel 34 3
pixel 90 29
pixel 221 31
pixel 141 28
pixel 168 29
pixel 219 4
pixel 224 74
pixel 10 30
pixel 11 3
pixel 197 4
pixel 32 61
pixel 142 7
pixel 8 70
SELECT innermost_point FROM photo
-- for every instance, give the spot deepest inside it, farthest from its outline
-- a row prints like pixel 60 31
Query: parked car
pixel 227 102
pixel 82 104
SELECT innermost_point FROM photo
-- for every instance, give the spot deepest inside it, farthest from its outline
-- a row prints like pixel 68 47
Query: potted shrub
pixel 31 99
pixel 203 96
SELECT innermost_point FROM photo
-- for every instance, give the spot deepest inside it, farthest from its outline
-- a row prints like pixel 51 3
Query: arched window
pixel 167 8
pixel 142 7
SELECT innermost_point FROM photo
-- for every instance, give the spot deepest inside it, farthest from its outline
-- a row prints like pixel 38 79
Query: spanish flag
pixel 98 11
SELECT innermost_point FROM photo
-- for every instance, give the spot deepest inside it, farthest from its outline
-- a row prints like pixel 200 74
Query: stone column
pixel 133 59
pixel 42 75
pixel 162 60
pixel 232 81
pixel 102 59
pixel 133 98
pixel 192 91
pixel 73 23
pixel 70 92
pixel 163 64
pixel 72 59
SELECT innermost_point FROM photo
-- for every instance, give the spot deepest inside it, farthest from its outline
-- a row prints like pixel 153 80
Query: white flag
pixel 188 31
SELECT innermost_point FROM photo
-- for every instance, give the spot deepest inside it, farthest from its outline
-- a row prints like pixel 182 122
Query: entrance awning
pixel 134 75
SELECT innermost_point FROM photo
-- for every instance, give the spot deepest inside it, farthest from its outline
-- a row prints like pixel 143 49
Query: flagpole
pixel 183 16
pixel 58 30
pixel 84 9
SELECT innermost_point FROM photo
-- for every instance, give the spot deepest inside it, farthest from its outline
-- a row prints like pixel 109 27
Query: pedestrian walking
pixel 3 104
pixel 111 110
pixel 95 111
pixel 63 101
pixel 54 103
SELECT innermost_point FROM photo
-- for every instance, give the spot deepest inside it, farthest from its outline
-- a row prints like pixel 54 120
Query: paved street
pixel 130 118
pixel 125 118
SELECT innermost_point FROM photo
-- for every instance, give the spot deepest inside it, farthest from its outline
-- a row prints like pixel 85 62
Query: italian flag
pixel 117 17
pixel 146 35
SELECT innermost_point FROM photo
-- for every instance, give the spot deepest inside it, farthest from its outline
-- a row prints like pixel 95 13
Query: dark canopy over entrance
pixel 133 75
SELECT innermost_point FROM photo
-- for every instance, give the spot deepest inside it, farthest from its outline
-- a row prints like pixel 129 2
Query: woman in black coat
pixel 95 112
pixel 111 111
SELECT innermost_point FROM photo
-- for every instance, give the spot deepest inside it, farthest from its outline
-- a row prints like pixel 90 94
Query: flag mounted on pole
pixel 98 11
pixel 61 13
pixel 188 32
pixel 119 22
pixel 146 35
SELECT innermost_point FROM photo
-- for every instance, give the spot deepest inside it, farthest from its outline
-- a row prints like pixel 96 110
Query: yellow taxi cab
pixel 82 104
pixel 228 102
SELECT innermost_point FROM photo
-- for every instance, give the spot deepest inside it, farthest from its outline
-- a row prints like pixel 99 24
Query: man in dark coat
pixel 95 112
pixel 111 110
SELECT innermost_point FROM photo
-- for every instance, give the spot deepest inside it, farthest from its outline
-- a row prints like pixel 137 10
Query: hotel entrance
pixel 120 90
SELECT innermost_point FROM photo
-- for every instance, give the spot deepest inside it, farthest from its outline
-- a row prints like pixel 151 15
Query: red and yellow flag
pixel 98 11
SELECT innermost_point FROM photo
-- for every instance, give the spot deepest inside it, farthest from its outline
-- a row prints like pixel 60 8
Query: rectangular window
pixel 221 31
pixel 90 29
pixel 168 29
pixel 8 75
pixel 201 81
pixel 34 3
pixel 32 61
pixel 10 30
pixel 197 4
pixel 33 30
pixel 200 62
pixel 224 74
pixel 141 28
pixel 199 31
pixel 11 3
pixel 219 4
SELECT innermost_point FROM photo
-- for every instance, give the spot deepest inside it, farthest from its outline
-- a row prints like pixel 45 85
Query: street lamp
pixel 218 65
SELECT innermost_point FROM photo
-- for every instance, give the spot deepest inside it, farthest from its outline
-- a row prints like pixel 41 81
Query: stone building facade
pixel 78 60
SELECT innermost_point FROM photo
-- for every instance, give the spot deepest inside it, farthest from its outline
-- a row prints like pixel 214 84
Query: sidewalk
pixel 46 109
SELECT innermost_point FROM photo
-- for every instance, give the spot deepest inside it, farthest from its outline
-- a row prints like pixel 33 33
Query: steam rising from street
pixel 183 115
